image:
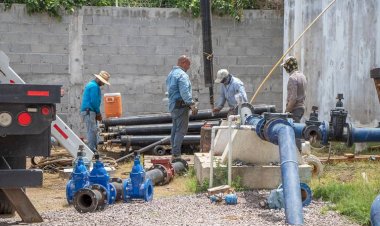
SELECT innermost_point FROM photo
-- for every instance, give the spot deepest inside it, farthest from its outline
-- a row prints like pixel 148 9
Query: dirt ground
pixel 52 196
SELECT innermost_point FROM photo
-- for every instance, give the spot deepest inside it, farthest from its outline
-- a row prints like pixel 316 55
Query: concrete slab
pixel 248 147
pixel 257 176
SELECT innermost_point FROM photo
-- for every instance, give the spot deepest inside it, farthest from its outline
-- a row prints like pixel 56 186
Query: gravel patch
pixel 190 210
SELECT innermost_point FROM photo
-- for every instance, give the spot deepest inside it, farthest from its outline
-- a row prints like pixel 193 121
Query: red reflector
pixel 11 81
pixel 60 131
pixel 38 93
pixel 24 119
pixel 45 110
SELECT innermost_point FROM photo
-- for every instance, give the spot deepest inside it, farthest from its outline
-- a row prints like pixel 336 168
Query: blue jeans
pixel 92 129
pixel 297 115
pixel 180 120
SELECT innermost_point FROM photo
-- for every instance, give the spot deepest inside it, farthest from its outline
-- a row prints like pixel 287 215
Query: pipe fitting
pixel 90 199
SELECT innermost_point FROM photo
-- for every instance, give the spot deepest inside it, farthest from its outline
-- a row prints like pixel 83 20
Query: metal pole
pixel 207 48
pixel 145 148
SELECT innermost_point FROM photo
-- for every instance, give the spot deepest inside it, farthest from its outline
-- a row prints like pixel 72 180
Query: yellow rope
pixel 288 50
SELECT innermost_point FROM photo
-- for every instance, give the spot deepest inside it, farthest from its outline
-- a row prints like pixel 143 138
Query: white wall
pixel 337 54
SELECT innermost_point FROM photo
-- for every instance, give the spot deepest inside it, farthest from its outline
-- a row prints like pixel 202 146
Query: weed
pixel 351 187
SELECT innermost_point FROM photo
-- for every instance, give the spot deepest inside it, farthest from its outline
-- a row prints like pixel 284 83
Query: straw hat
pixel 222 73
pixel 103 76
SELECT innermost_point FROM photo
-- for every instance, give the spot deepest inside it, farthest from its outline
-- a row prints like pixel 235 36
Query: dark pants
pixel 180 119
pixel 297 115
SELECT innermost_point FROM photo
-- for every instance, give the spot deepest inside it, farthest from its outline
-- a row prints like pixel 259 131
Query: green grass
pixel 351 187
pixel 220 178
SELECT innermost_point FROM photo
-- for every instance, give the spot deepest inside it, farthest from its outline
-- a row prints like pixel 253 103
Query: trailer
pixel 26 114
pixel 65 136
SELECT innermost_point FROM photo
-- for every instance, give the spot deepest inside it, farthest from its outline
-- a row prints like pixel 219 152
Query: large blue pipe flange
pixel 306 194
pixel 148 190
pixel 268 129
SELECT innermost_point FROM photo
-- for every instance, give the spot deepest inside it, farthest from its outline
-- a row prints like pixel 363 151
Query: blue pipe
pixel 289 172
pixel 279 131
pixel 375 212
pixel 360 135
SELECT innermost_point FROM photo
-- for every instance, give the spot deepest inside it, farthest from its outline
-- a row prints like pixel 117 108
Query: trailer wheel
pixel 6 207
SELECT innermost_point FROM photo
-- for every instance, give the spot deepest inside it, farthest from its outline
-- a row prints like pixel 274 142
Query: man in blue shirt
pixel 178 86
pixel 90 108
pixel 231 86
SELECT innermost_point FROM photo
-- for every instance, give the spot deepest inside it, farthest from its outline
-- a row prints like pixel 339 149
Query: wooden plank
pixel 23 205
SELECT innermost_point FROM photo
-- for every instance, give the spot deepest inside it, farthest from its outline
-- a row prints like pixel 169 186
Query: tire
pixel 317 167
pixel 6 207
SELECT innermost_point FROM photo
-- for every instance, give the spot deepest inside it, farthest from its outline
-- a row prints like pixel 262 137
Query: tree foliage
pixel 56 8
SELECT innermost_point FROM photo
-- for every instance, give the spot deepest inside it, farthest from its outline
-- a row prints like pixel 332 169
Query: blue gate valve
pixel 137 186
pixel 78 178
pixel 100 176
pixel 99 193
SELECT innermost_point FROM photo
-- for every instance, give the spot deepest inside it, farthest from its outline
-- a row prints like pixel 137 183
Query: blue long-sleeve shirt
pixel 92 97
pixel 227 93
pixel 178 85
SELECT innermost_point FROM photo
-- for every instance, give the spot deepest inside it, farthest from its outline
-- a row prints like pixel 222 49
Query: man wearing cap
pixel 296 88
pixel 178 86
pixel 231 89
pixel 90 108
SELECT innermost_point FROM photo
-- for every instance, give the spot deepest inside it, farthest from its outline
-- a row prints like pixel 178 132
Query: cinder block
pixel 32 58
pixel 41 68
pixel 59 49
pixel 54 39
pixel 21 68
pixel 52 58
pixel 60 68
pixel 40 48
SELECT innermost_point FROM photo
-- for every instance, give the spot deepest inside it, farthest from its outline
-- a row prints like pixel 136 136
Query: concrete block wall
pixel 138 47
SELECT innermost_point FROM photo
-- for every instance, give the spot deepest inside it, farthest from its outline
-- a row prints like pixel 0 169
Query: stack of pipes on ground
pixel 139 131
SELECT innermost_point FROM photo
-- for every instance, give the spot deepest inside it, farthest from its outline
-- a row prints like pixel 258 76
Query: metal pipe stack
pixel 142 130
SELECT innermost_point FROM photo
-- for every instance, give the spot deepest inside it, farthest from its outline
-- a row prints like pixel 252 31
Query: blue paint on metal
pixel 100 176
pixel 289 173
pixel 280 132
pixel 78 180
pixel 306 194
pixel 137 186
pixel 231 199
pixel 360 135
pixel 375 212
pixel 276 197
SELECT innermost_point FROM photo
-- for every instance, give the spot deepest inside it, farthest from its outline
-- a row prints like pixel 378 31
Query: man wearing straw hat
pixel 90 108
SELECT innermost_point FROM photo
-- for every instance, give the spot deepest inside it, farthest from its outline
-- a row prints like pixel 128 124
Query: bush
pixel 233 8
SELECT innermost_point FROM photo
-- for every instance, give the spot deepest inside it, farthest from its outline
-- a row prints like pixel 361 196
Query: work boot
pixel 175 157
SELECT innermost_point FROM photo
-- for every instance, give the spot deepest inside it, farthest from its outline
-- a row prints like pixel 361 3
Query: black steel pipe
pixel 155 175
pixel 166 118
pixel 146 148
pixel 145 140
pixel 157 129
pixel 180 166
pixel 90 199
pixel 160 118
